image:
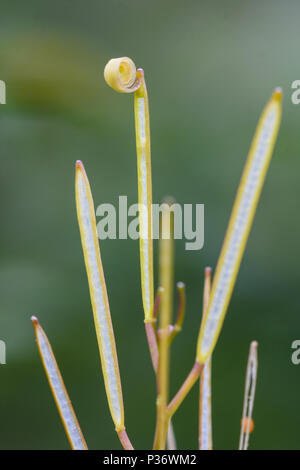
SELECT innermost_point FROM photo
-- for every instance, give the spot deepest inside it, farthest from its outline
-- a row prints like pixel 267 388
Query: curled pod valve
pixel 121 75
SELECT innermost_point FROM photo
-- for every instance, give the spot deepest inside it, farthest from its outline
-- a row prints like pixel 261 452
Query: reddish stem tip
pixel 208 271
pixel 79 164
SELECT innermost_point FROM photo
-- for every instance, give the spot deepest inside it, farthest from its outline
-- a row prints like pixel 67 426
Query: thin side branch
pixel 152 343
pixel 124 439
pixel 185 388
pixel 249 395
pixel 166 269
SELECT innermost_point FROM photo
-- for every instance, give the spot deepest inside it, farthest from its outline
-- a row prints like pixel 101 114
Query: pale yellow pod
pixel 99 298
pixel 205 425
pixel 240 224
pixel 58 389
pixel 143 151
pixel 120 74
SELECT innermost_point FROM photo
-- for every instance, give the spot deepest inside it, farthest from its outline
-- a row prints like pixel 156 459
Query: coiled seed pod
pixel 120 74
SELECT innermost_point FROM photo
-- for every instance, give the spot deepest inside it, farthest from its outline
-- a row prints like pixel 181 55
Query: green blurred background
pixel 210 68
